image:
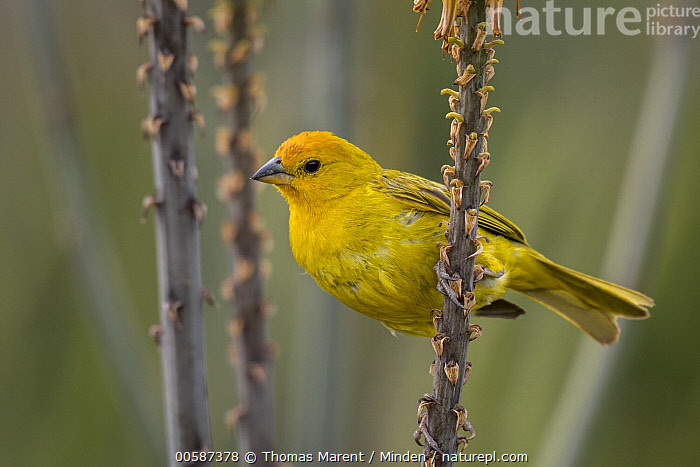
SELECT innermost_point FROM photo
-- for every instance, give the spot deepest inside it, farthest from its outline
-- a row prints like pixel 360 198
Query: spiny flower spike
pixel 238 99
pixel 464 29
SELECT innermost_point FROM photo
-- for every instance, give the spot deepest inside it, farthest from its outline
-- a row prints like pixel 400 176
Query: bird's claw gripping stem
pixel 423 430
pixel 443 285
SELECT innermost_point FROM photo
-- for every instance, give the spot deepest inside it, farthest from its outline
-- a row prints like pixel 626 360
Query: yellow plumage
pixel 369 237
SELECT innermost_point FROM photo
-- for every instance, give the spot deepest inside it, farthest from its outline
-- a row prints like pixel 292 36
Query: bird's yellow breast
pixel 378 259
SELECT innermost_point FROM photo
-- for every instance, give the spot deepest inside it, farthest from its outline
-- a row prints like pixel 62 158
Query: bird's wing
pixel 424 195
pixel 493 221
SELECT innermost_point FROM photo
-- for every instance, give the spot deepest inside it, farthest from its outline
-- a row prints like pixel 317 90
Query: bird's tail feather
pixel 591 304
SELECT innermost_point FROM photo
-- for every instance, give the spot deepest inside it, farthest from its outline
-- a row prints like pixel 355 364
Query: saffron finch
pixel 369 237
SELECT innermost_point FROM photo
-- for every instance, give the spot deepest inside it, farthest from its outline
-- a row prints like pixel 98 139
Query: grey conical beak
pixel 273 172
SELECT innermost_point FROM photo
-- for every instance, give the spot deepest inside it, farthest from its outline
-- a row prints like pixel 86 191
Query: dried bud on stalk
pixel 493 11
pixel 467 75
pixel 452 372
pixel 480 36
pixel 438 342
pixel 447 20
pixel 461 413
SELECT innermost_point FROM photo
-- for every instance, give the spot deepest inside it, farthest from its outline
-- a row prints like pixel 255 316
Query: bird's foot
pixel 423 430
pixel 444 279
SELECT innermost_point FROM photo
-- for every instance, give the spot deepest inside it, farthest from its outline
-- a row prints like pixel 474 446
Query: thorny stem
pixel 177 217
pixel 235 20
pixel 443 415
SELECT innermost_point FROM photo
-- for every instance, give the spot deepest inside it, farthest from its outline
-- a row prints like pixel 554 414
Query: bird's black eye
pixel 312 166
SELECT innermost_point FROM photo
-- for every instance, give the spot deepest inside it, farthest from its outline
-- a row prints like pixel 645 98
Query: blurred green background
pixel 571 107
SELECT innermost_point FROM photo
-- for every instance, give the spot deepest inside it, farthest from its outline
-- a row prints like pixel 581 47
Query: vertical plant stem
pixel 445 416
pixel 177 216
pixel 242 231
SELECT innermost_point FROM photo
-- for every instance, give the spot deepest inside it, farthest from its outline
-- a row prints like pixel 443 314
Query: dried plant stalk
pixel 239 99
pixel 177 217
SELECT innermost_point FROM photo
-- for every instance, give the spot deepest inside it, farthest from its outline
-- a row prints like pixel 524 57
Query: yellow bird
pixel 369 237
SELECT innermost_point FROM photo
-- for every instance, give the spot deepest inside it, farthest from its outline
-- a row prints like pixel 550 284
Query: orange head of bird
pixel 318 164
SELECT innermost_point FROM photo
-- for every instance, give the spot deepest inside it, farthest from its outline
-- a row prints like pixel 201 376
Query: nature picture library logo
pixel 554 19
